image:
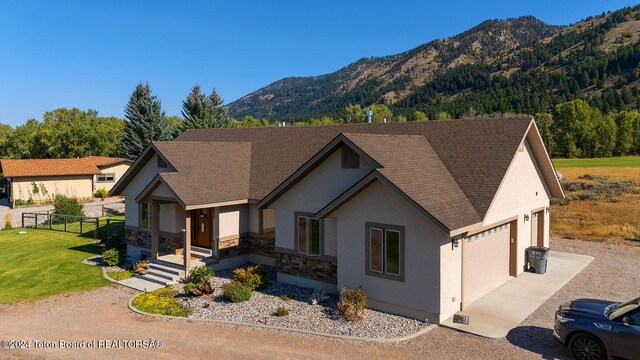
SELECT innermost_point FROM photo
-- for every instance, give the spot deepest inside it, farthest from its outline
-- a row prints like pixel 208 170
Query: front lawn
pixel 41 263
pixel 622 161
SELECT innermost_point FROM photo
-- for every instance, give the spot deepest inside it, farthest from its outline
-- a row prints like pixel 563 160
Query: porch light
pixel 548 209
pixel 455 242
pixel 526 217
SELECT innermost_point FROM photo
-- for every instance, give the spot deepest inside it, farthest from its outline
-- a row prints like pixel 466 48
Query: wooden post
pixel 50 218
pixel 36 222
pixel 155 229
pixel 23 220
pixel 108 226
pixel 103 209
pixel 187 241
pixel 81 226
pixel 65 222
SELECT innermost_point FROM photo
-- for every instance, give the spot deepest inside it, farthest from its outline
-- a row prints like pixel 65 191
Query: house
pixel 39 180
pixel 425 216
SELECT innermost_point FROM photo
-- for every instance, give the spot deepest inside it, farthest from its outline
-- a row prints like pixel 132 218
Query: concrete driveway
pixel 504 308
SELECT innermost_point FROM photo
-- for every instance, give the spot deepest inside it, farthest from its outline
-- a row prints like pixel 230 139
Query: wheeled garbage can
pixel 537 259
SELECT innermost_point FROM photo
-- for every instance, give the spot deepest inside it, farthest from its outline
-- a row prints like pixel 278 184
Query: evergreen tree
pixel 203 112
pixel 145 122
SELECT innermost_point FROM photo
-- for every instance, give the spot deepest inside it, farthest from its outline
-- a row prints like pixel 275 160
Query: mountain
pixel 515 65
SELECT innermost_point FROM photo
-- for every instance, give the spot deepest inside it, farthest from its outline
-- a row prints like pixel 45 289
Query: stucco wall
pixel 233 220
pixel 522 191
pixel 73 186
pixel 313 192
pixel 135 187
pixel 118 170
pixel 419 295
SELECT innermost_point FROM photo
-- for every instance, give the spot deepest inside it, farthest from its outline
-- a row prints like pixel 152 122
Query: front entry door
pixel 202 228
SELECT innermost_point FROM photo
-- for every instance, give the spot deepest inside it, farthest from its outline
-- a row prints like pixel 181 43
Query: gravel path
pixel 103 314
pixel 261 307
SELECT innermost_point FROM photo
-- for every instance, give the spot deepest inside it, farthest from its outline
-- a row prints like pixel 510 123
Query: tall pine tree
pixel 145 122
pixel 202 112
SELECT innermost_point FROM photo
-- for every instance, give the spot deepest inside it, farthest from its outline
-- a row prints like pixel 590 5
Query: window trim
pixel 345 163
pixel 385 228
pixel 140 215
pixel 113 177
pixel 296 218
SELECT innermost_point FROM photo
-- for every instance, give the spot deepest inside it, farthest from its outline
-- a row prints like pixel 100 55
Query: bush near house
pixel 101 193
pixel 111 257
pixel 352 304
pixel 252 276
pixel 120 275
pixel 200 277
pixel 66 206
pixel 236 292
pixel 161 302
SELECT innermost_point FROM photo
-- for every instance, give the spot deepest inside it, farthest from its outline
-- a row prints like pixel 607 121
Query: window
pixel 350 158
pixel 144 216
pixel 385 251
pixel 106 178
pixel 161 162
pixel 308 235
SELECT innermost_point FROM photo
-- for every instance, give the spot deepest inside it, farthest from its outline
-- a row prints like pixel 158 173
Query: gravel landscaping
pixel 260 309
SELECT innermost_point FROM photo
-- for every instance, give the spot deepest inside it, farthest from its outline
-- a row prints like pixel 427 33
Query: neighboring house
pixel 41 179
pixel 425 216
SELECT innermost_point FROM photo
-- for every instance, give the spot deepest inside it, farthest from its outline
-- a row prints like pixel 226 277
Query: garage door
pixel 485 262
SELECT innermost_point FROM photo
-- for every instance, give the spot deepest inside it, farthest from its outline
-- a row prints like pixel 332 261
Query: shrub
pixel 236 292
pixel 286 297
pixel 7 222
pixel 281 311
pixel 141 267
pixel 162 302
pixel 206 305
pixel 189 288
pixel 252 276
pixel 201 278
pixel 67 206
pixel 352 304
pixel 101 193
pixel 111 257
pixel 119 275
pixel 113 242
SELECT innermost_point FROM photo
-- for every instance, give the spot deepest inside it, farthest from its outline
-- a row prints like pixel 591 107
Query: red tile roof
pixel 56 167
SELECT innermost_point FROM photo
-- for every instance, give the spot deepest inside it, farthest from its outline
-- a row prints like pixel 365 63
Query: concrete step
pixel 162 274
pixel 162 267
pixel 201 250
pixel 155 279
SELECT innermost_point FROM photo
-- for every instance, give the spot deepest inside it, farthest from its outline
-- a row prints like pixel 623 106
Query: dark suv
pixel 599 329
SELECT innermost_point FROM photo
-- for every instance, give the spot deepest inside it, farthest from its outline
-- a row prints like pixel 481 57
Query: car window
pixel 634 317
pixel 623 309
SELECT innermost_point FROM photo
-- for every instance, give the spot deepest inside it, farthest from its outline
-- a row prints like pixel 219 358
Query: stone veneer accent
pixel 317 268
pixel 263 244
pixel 167 243
pixel 233 247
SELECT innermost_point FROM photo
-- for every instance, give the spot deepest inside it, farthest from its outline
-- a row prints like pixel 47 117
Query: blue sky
pixel 91 54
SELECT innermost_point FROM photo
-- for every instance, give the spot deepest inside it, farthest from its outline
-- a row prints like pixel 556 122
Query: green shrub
pixel 64 205
pixel 101 193
pixel 162 302
pixel 281 311
pixel 252 276
pixel 113 242
pixel 236 292
pixel 111 257
pixel 7 222
pixel 141 267
pixel 201 278
pixel 206 305
pixel 352 304
pixel 189 288
pixel 286 297
pixel 120 275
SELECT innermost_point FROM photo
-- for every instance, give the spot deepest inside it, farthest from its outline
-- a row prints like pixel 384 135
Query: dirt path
pixel 102 314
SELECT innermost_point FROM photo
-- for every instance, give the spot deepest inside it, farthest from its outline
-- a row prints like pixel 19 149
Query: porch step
pixel 200 253
pixel 155 279
pixel 171 271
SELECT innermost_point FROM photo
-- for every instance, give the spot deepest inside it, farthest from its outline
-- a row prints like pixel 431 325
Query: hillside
pixel 517 65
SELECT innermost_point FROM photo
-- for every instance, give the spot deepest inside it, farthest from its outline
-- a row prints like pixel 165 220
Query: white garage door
pixel 485 262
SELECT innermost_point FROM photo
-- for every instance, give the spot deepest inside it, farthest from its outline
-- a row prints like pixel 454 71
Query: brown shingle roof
pixel 55 167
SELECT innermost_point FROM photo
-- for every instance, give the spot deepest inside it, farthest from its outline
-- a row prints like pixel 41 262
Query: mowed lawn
pixel 609 217
pixel 41 263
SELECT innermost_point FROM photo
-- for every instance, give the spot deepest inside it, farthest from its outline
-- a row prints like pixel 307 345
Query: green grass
pixel 161 302
pixel 623 161
pixel 120 275
pixel 41 263
pixel 116 227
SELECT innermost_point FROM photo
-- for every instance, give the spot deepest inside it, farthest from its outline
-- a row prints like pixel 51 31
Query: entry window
pixel 350 158
pixel 385 251
pixel 144 216
pixel 308 235
pixel 102 178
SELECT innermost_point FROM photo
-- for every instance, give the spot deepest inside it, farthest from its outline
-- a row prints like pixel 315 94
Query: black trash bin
pixel 537 259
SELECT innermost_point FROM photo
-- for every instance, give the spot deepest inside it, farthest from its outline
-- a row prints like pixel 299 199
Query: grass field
pixel 41 263
pixel 610 217
pixel 116 227
pixel 624 161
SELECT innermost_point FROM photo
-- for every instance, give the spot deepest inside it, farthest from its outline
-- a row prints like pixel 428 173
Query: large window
pixel 385 251
pixel 144 216
pixel 106 178
pixel 308 235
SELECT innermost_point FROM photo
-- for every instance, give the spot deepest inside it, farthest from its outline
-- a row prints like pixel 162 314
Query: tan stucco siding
pixel 118 170
pixel 73 186
pixel 172 218
pixel 233 220
pixel 450 278
pixel 313 192
pixel 523 190
pixel 162 191
pixel 269 218
pixel 135 187
pixel 419 294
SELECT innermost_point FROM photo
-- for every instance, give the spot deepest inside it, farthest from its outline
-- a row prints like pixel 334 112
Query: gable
pixel 523 187
pixel 324 183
